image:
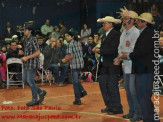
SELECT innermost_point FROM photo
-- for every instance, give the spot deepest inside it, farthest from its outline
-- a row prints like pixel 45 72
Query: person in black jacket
pixel 14 52
pixel 143 66
pixel 9 31
pixel 109 73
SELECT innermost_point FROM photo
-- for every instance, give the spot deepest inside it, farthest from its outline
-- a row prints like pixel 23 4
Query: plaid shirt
pixel 75 48
pixel 30 47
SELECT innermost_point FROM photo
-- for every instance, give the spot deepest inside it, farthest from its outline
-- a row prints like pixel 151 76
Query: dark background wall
pixel 73 12
pixel 20 11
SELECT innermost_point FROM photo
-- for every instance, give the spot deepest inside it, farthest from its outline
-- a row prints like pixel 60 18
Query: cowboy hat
pixel 126 13
pixel 28 25
pixel 147 17
pixel 109 19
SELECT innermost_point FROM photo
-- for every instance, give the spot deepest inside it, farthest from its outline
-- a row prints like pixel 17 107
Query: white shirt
pixel 128 39
pixel 107 32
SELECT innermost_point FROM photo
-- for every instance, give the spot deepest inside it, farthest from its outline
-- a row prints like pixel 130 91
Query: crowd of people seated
pixel 53 45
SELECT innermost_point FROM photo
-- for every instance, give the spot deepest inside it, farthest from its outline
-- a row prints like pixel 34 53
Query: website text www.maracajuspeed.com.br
pixel 40 117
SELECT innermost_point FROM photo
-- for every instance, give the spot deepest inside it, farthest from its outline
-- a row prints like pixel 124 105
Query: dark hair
pixel 48 34
pixel 61 22
pixel 40 37
pixel 90 36
pixel 72 34
pixel 61 37
pixel 97 34
pixel 12 42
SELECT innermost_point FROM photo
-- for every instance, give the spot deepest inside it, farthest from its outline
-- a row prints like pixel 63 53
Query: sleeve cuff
pixel 128 56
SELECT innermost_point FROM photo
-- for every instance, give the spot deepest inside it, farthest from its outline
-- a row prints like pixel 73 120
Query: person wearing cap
pixel 30 64
pixel 75 56
pixel 109 73
pixel 128 39
pixel 143 67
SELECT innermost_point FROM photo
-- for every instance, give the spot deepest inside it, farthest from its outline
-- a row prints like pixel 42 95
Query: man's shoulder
pixel 115 32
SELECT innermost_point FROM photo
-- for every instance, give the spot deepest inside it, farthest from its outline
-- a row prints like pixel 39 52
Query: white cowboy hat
pixel 126 13
pixel 147 17
pixel 109 19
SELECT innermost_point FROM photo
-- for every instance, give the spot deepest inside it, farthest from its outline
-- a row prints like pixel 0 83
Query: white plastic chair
pixel 10 75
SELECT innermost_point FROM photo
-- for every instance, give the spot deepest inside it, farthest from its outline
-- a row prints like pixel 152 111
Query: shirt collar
pixel 107 32
pixel 130 30
pixel 141 30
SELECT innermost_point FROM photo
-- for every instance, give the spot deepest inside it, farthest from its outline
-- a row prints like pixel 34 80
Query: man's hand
pixel 123 55
pixel 117 61
pixel 21 52
pixel 64 60
pixel 23 59
pixel 19 46
pixel 59 64
pixel 96 50
pixel 52 45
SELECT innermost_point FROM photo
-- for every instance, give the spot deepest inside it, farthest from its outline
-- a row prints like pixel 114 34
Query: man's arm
pixel 37 53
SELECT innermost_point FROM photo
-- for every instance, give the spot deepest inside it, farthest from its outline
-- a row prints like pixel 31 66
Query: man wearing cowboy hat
pixel 143 66
pixel 30 64
pixel 127 42
pixel 109 73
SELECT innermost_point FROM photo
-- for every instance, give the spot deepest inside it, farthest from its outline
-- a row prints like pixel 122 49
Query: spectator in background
pixel 4 50
pixel 19 31
pixel 63 29
pixel 63 66
pixel 97 40
pixel 41 43
pixel 55 33
pixel 14 52
pixel 53 63
pixel 46 28
pixel 48 37
pixel 9 31
pixel 16 39
pixel 7 47
pixel 85 32
pixel 90 53
pixel 63 40
pixel 101 31
pixel 2 67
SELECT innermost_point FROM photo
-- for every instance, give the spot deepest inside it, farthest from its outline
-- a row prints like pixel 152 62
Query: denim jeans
pixel 29 79
pixel 59 77
pixel 78 88
pixel 144 86
pixel 132 98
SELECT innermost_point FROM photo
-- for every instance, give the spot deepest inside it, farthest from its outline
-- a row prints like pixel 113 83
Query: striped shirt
pixel 75 48
pixel 30 47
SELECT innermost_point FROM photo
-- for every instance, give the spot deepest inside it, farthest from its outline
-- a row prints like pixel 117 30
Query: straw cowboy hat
pixel 147 17
pixel 109 19
pixel 126 13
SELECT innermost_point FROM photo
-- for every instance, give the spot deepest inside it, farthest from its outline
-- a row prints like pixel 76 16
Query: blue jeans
pixel 78 88
pixel 132 98
pixel 29 79
pixel 144 86
pixel 59 77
